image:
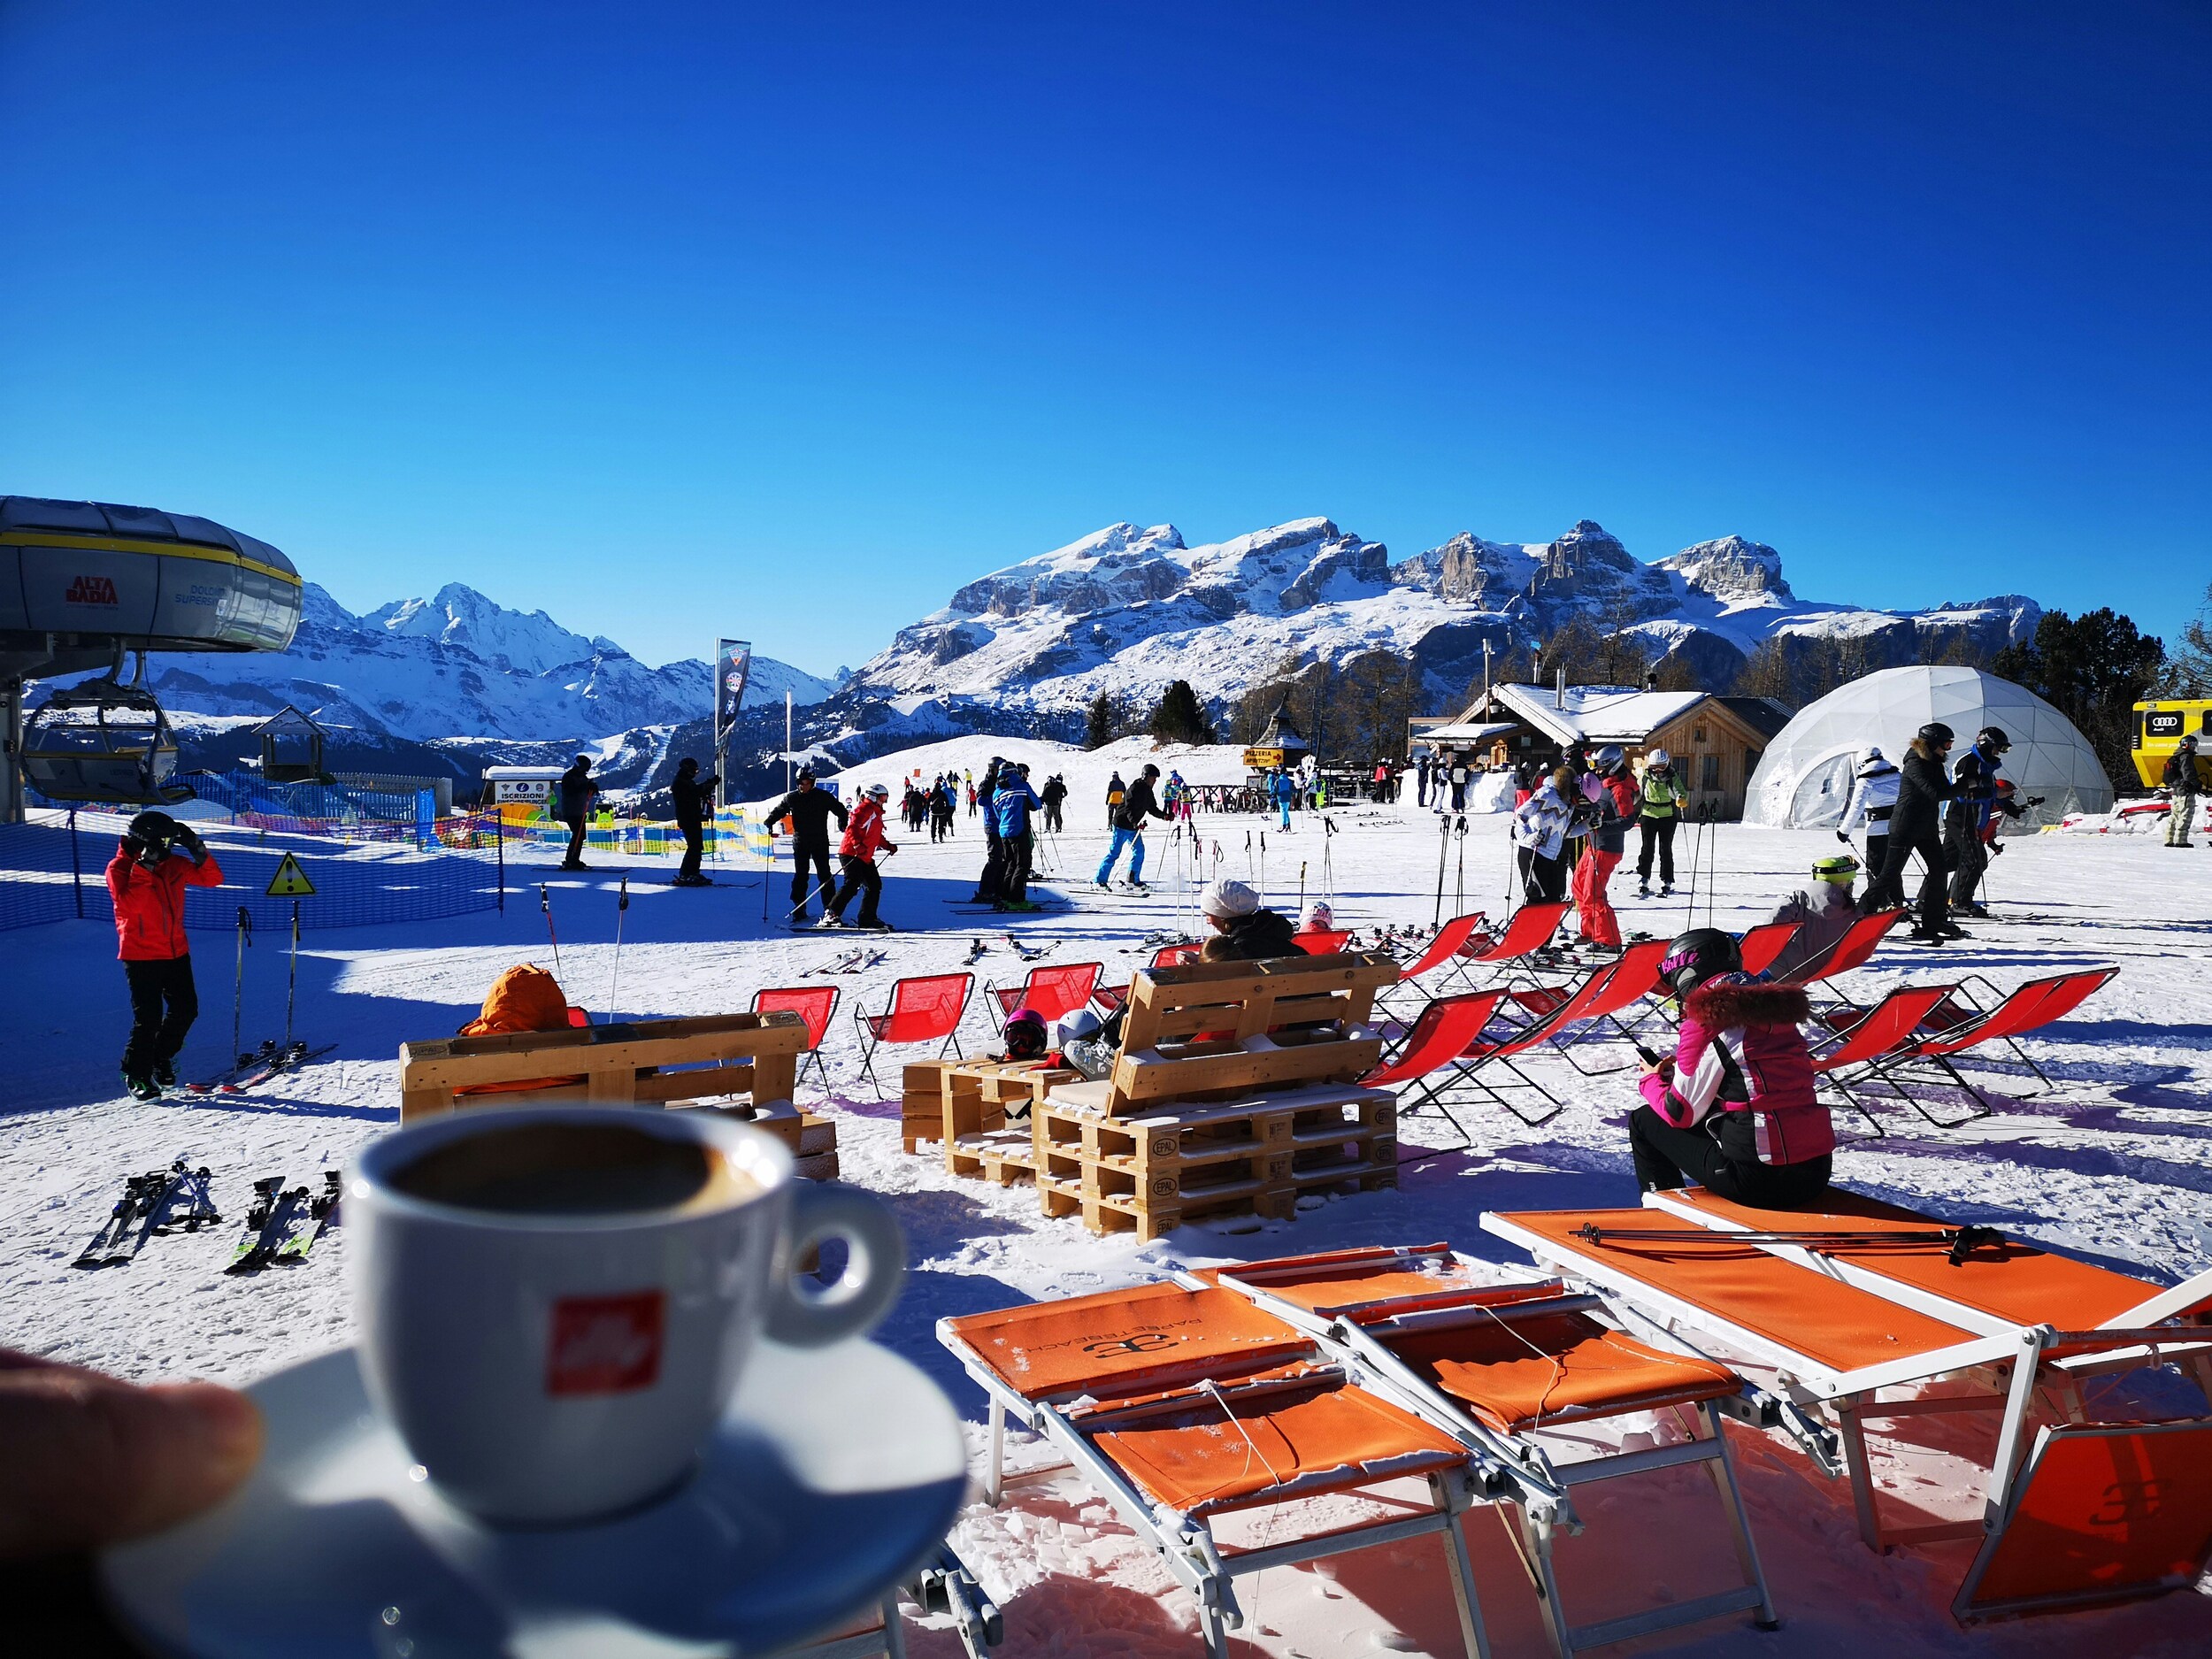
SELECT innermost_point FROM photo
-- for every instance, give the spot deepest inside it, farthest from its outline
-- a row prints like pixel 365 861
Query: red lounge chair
pixel 1110 997
pixel 2029 1008
pixel 1631 979
pixel 1446 1028
pixel 813 1004
pixel 1527 931
pixel 922 1011
pixel 1052 991
pixel 1763 943
pixel 1875 1032
pixel 1851 951
pixel 1448 942
pixel 1323 942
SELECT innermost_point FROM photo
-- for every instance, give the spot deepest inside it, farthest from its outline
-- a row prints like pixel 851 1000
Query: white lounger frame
pixel 942 1585
pixel 1185 1542
pixel 1516 1468
pixel 1855 1395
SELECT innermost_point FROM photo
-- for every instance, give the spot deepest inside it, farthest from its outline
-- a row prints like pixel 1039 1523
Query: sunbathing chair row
pixel 1864 1297
pixel 1344 1372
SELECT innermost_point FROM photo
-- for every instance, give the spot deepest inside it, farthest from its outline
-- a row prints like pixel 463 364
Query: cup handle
pixel 875 1267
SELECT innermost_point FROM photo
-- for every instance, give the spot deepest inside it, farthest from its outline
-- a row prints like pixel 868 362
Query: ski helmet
pixel 1658 757
pixel 148 836
pixel 1025 1034
pixel 881 792
pixel 1320 918
pixel 1609 759
pixel 1696 956
pixel 2188 741
pixel 1841 868
pixel 1080 1027
pixel 686 766
pixel 806 774
pixel 1992 738
pixel 1936 733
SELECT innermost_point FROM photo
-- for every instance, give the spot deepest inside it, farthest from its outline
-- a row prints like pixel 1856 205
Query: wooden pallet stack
pixel 965 1105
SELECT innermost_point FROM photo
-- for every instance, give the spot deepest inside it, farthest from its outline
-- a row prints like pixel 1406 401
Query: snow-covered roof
pixel 1597 714
pixel 1466 731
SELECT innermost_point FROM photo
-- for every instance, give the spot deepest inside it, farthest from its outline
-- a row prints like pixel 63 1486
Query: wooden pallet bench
pixel 968 1109
pixel 1216 1031
pixel 1151 1173
pixel 642 1063
pixel 811 1139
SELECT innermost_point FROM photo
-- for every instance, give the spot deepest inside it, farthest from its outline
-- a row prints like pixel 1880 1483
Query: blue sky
pixel 676 320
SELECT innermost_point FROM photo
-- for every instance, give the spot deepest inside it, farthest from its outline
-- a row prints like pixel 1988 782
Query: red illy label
pixel 604 1345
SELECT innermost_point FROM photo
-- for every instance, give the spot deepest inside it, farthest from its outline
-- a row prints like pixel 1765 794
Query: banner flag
pixel 733 667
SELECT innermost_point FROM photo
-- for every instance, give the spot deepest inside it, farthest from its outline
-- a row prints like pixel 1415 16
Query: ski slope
pixel 2116 1166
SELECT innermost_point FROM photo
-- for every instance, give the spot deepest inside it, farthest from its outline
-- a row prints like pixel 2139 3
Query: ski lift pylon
pixel 104 743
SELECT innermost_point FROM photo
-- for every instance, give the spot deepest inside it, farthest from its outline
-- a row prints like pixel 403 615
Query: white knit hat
pixel 1226 898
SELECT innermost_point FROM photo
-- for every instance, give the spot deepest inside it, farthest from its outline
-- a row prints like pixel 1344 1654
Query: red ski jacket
pixel 150 903
pixel 863 830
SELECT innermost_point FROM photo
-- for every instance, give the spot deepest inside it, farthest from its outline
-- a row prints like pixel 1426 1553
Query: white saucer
pixel 833 1475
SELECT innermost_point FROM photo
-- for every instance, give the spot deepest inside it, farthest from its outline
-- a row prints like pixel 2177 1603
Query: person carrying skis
pixel 577 790
pixel 1735 1108
pixel 809 809
pixel 1923 786
pixel 694 799
pixel 1611 810
pixel 1056 791
pixel 856 854
pixel 1137 803
pixel 1542 826
pixel 2181 780
pixel 1824 912
pixel 1660 811
pixel 1873 799
pixel 1975 780
pixel 155 860
pixel 1011 808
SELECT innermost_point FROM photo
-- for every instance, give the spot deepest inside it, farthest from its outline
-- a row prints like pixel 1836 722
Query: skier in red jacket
pixel 157 859
pixel 857 856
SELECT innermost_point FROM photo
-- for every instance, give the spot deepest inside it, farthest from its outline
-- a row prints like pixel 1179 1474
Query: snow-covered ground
pixel 2114 1166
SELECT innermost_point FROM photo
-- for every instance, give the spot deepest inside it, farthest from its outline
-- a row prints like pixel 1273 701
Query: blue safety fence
pixel 315 808
pixel 56 870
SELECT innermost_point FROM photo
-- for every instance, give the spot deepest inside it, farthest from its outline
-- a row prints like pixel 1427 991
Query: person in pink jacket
pixel 1735 1110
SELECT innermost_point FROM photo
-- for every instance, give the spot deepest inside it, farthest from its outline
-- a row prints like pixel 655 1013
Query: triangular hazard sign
pixel 290 881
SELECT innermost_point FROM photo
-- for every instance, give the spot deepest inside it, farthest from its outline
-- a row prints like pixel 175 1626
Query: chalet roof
pixel 1595 714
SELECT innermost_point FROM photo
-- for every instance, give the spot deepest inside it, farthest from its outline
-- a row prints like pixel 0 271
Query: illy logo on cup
pixel 604 1345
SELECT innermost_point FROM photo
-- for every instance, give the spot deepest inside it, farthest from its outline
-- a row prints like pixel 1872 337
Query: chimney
pixel 1559 687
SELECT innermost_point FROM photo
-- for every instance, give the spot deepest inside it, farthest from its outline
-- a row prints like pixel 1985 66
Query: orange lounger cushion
pixel 2019 1283
pixel 1556 1368
pixel 1263 1444
pixel 1834 1325
pixel 1122 1342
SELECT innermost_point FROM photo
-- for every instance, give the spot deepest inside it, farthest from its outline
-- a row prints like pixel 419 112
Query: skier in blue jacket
pixel 1010 815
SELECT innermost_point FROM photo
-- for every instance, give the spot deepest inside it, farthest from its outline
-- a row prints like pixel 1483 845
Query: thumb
pixel 86 1459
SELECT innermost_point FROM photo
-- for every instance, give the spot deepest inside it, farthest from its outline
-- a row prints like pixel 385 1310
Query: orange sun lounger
pixel 1497 1366
pixel 1849 1313
pixel 1181 1403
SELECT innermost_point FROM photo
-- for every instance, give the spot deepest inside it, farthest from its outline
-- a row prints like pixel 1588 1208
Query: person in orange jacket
pixel 157 859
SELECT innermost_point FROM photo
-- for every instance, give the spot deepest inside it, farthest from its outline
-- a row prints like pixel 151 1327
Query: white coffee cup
pixel 553 1313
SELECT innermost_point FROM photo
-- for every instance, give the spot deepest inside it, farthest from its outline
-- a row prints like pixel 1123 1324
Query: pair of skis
pixel 147 1205
pixel 859 959
pixel 278 1230
pixel 271 1059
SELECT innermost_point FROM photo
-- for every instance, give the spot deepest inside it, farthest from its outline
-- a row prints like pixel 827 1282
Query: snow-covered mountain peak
pixel 527 642
pixel 1732 570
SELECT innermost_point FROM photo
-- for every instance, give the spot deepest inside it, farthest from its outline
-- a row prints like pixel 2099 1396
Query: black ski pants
pixel 810 859
pixel 1052 816
pixel 1969 859
pixel 1543 879
pixel 576 827
pixel 1657 836
pixel 1875 895
pixel 1021 852
pixel 695 849
pixel 992 883
pixel 861 877
pixel 1929 845
pixel 1665 1156
pixel 164 1004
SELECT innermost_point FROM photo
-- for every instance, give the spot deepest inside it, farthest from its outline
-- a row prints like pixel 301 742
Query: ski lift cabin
pixel 83 585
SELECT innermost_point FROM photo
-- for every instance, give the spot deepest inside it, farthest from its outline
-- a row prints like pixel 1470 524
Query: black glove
pixel 189 838
pixel 2033 800
pixel 1996 848
pixel 1842 837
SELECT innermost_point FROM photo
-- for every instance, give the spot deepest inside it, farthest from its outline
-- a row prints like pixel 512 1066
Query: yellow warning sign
pixel 290 881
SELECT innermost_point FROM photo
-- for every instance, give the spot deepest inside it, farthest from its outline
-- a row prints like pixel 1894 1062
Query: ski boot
pixel 165 1073
pixel 1643 889
pixel 1666 890
pixel 142 1087
pixel 876 926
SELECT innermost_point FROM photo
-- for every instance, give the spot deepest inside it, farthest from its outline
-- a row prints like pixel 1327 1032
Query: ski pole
pixel 292 990
pixel 1302 886
pixel 545 903
pixel 238 996
pixel 1262 866
pixel 621 909
pixel 1443 850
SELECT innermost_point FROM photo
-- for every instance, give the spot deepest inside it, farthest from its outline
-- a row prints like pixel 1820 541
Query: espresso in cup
pixel 575 1168
pixel 556 1304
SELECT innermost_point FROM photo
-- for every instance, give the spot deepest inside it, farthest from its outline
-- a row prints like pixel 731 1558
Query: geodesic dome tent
pixel 1804 778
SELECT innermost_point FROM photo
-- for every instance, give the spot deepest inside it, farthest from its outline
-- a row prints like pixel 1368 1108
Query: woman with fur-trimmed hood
pixel 1735 1110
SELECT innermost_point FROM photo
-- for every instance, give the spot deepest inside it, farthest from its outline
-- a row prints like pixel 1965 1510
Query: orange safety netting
pixel 1836 1325
pixel 1235 1449
pixel 1125 1342
pixel 2015 1282
pixel 1540 1370
pixel 2104 1511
